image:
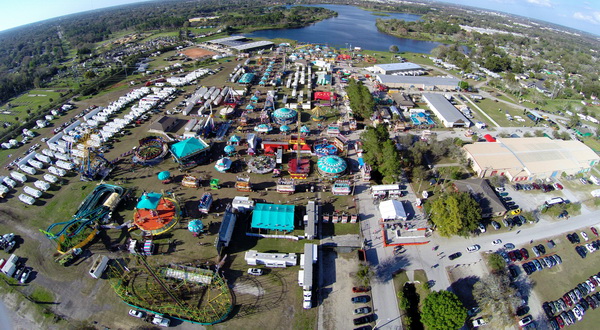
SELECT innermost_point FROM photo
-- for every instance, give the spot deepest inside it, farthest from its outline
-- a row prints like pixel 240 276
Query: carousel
pixel 324 148
pixel 223 164
pixel 331 166
pixel 285 116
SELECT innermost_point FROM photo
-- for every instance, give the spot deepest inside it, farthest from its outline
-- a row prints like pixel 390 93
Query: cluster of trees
pixel 443 310
pixel 402 28
pixel 275 16
pixel 361 100
pixel 381 153
pixel 454 213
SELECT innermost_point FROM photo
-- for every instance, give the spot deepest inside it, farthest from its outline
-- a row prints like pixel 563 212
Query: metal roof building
pixel 253 45
pixel 390 68
pixel 423 82
pixel 445 111
pixel 522 159
pixel 481 191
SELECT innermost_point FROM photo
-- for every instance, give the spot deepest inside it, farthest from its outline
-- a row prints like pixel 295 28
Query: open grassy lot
pixel 498 112
pixel 31 101
pixel 551 284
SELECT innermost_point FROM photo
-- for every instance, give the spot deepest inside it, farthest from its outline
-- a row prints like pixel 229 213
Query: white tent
pixel 392 210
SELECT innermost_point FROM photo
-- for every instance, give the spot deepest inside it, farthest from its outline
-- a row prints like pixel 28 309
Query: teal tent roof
pixel 304 129
pixel 273 217
pixel 234 138
pixel 149 201
pixel 188 147
pixel 285 113
pixel 332 164
pixel 284 128
pixel 195 226
pixel 164 175
pixel 229 149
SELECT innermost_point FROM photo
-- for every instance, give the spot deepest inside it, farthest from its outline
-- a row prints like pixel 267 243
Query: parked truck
pixel 10 266
pixel 99 266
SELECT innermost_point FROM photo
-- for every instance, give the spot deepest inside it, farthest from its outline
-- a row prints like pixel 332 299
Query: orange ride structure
pixel 156 213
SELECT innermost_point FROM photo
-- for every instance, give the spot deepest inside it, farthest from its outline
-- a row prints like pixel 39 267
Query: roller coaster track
pixel 90 211
pixel 159 281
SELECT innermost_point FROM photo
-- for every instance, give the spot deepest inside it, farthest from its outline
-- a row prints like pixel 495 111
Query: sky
pixel 580 14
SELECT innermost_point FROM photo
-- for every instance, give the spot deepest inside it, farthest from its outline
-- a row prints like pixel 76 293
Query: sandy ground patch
pixel 195 53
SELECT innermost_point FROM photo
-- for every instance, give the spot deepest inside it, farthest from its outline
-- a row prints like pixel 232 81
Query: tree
pixel 443 310
pixel 361 100
pixel 463 85
pixel 89 75
pixel 393 49
pixel 497 298
pixel 496 262
pixel 454 214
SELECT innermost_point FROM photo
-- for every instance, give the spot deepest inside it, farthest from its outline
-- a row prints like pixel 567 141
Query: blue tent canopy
pixel 196 226
pixel 149 201
pixel 234 138
pixel 304 129
pixel 284 128
pixel 229 149
pixel 164 175
pixel 188 147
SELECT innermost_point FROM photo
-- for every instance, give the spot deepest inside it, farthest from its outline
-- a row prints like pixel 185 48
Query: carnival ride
pixel 156 213
pixel 317 114
pixel 151 151
pixel 242 183
pixel 261 164
pixel 95 209
pixel 190 181
pixel 205 203
pixel 191 294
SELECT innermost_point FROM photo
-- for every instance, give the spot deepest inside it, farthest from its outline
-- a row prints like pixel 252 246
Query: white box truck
pixel 10 266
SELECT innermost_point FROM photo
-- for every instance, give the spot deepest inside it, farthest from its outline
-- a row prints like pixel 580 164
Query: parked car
pixel 362 310
pixel 161 321
pixel 497 242
pixel 526 320
pixel 481 228
pixel 541 248
pixel 473 248
pixel 358 289
pixel 535 250
pixel 585 236
pixel 360 299
pixel 454 255
pixel 25 276
pixel 136 313
pixel 509 246
pixel 478 322
pixel 594 230
pixel 495 225
pixel 524 253
pixel 364 319
pixel 255 271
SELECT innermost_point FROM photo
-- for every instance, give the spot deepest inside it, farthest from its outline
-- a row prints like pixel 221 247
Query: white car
pixel 161 321
pixel 526 320
pixel 496 242
pixel 255 271
pixel 473 248
pixel 500 189
pixel 584 235
pixel 136 313
pixel 479 322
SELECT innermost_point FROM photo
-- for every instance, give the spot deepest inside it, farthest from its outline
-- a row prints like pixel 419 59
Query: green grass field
pixel 31 101
pixel 497 111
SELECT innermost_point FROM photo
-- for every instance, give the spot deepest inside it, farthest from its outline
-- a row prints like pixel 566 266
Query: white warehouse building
pixel 448 114
pixel 392 68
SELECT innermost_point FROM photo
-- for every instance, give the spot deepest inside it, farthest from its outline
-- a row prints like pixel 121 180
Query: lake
pixel 352 27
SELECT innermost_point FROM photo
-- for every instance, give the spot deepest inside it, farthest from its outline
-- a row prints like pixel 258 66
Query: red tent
pixel 324 96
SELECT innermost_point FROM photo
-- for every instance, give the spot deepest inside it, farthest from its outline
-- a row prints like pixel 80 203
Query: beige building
pixel 522 159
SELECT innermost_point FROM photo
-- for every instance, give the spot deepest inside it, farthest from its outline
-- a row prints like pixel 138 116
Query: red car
pixel 524 253
pixel 594 230
pixel 357 289
pixel 560 322
pixel 567 300
pixel 558 186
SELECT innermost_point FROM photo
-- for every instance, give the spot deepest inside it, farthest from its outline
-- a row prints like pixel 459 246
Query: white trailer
pixel 18 176
pixel 9 182
pixel 57 171
pixel 43 158
pixel 99 266
pixel 65 165
pixel 50 178
pixel 32 192
pixel 27 169
pixel 42 185
pixel 35 163
pixel 26 199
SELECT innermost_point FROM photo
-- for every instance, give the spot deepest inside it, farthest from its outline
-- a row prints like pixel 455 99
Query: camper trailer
pixel 19 176
pixel 32 192
pixel 99 266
